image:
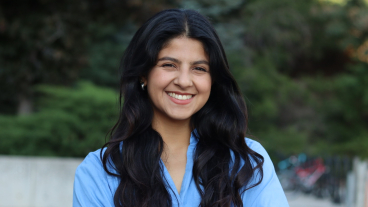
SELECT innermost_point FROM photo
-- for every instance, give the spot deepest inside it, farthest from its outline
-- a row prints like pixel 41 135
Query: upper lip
pixel 180 93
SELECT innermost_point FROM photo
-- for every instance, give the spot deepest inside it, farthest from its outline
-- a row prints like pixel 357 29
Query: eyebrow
pixel 178 61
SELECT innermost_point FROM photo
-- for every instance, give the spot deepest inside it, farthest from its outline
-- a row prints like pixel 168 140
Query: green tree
pixel 69 122
pixel 50 42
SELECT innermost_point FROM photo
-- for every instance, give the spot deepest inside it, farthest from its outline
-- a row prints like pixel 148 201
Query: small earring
pixel 142 85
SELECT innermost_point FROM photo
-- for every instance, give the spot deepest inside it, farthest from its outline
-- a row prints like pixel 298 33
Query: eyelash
pixel 172 65
pixel 201 69
pixel 168 65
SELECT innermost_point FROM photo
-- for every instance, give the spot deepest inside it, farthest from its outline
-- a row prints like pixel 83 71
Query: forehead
pixel 184 48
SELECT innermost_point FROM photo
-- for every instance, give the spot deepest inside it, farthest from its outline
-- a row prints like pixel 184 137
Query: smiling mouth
pixel 179 96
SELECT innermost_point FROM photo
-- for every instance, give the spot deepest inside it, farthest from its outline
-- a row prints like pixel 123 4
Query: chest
pixel 180 183
pixel 175 164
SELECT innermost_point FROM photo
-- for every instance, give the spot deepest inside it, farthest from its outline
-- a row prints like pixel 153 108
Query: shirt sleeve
pixel 269 192
pixel 91 184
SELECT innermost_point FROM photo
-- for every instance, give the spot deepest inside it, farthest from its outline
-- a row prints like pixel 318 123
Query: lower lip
pixel 180 102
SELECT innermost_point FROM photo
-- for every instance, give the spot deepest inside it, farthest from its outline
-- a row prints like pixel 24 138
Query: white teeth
pixel 180 97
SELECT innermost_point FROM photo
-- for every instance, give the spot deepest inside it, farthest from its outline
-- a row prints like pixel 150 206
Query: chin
pixel 180 117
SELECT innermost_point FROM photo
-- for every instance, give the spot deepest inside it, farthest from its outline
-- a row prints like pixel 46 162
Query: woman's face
pixel 180 83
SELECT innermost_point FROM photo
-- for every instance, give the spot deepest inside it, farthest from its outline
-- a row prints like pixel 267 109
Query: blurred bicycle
pixel 299 174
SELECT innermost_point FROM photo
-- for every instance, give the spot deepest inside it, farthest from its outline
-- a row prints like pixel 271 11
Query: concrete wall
pixel 36 181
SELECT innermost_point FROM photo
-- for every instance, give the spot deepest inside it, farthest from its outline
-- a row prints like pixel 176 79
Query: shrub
pixel 72 122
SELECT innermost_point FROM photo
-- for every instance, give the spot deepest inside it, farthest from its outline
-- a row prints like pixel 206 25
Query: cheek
pixel 204 86
pixel 156 83
pixel 158 79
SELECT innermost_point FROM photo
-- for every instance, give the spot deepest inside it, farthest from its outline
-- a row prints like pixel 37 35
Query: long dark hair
pixel 220 125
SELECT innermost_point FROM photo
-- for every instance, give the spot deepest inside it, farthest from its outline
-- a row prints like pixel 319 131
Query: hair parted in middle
pixel 224 166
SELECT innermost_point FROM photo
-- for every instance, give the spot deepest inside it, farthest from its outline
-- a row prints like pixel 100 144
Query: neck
pixel 175 133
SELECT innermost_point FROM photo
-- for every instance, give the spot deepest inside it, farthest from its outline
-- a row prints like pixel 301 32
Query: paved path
pixel 48 182
pixel 36 181
pixel 302 200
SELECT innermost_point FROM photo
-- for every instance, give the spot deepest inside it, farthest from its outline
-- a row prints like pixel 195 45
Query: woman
pixel 179 140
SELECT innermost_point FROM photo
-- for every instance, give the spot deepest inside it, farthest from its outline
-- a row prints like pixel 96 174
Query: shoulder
pixel 269 192
pixel 92 164
pixel 256 146
pixel 92 159
pixel 92 185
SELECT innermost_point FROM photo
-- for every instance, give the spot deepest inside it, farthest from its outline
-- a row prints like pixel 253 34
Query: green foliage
pixel 215 9
pixel 38 45
pixel 71 122
pixel 279 114
pixel 342 101
pixel 298 66
pixel 301 65
pixel 105 49
pixel 58 42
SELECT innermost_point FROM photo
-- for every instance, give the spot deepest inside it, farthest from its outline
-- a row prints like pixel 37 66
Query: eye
pixel 168 65
pixel 200 69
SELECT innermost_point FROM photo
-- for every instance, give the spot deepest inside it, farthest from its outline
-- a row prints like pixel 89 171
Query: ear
pixel 143 80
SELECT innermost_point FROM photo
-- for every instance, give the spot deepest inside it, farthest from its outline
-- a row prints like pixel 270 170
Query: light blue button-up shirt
pixel 94 187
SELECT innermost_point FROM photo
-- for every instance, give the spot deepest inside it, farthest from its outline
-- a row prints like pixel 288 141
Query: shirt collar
pixel 193 137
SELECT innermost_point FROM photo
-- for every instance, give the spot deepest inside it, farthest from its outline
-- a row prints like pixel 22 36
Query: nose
pixel 183 79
